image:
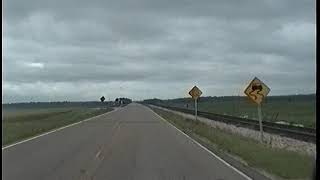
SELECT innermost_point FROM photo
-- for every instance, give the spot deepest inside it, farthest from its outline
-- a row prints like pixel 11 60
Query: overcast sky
pixel 78 50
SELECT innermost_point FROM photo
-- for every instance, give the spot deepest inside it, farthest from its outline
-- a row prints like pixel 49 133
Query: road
pixel 129 143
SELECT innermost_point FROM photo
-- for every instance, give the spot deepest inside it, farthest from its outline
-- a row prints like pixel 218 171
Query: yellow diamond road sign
pixel 257 90
pixel 195 92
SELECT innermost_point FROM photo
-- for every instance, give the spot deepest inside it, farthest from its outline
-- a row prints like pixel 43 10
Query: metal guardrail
pixel 300 133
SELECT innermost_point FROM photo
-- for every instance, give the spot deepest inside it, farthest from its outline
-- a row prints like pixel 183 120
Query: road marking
pixel 206 149
pixel 55 130
pixel 99 152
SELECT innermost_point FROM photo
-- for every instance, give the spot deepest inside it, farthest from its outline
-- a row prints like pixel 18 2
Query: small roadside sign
pixel 257 90
pixel 195 92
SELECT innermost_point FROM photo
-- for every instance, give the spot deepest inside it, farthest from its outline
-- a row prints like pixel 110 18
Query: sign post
pixel 260 122
pixel 195 93
pixel 196 109
pixel 257 91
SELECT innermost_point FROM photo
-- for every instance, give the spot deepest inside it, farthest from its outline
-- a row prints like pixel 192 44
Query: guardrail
pixel 300 133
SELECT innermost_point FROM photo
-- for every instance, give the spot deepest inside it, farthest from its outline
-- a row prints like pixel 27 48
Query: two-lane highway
pixel 130 143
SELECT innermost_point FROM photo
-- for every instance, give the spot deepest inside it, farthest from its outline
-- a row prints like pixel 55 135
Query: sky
pixel 80 50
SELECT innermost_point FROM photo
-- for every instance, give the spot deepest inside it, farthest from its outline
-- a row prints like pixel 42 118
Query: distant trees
pixel 154 101
pixel 123 101
pixel 102 99
pixel 238 99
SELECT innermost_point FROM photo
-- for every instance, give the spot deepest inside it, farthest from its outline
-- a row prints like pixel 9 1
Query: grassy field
pixel 282 163
pixel 19 124
pixel 301 111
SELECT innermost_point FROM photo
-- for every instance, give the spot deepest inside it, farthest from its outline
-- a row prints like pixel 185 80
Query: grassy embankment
pixel 25 123
pixel 291 111
pixel 282 163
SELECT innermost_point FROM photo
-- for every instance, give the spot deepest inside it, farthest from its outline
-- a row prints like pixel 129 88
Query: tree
pixel 102 99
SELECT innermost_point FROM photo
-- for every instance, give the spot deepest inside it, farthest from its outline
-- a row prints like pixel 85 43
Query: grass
pixel 22 124
pixel 293 112
pixel 282 163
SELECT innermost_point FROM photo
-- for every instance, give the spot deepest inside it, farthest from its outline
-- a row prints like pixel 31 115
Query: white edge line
pixel 210 152
pixel 55 130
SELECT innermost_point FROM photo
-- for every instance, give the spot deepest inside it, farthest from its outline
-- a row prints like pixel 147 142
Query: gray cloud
pixel 78 50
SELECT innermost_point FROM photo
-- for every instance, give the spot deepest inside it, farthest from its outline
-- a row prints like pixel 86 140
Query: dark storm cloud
pixel 55 50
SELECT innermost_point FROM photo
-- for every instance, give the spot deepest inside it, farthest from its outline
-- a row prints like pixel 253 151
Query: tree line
pixel 285 98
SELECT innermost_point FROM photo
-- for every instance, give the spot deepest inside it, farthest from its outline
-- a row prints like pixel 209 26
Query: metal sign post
pixel 196 108
pixel 260 122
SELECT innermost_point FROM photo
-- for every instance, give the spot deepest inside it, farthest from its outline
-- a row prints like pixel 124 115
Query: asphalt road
pixel 129 143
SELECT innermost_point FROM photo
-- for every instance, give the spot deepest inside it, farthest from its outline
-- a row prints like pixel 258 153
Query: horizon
pixel 150 99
